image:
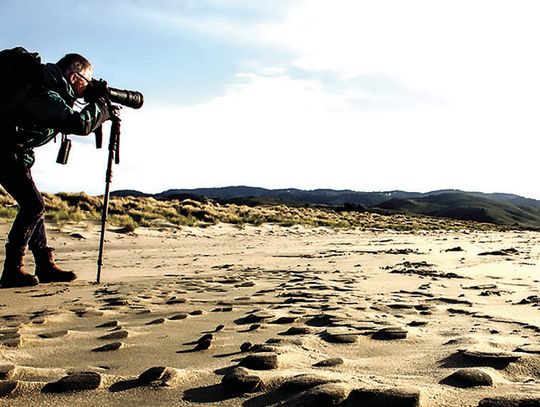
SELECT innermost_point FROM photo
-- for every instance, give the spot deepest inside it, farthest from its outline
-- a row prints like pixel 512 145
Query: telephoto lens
pixel 129 98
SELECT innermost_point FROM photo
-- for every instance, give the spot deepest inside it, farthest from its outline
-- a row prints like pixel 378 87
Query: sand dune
pixel 271 316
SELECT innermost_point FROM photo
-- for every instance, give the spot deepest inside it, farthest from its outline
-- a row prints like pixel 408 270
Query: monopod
pixel 114 155
pixel 128 98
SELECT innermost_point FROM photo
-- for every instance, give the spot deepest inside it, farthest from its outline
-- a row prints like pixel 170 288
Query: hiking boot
pixel 14 274
pixel 46 269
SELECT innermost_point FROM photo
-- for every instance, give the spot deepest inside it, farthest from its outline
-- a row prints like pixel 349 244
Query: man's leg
pixel 17 181
pixel 46 269
pixel 38 239
pixel 29 227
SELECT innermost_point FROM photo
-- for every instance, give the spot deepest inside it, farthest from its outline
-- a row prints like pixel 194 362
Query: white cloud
pixel 280 132
pixel 459 48
pixel 284 125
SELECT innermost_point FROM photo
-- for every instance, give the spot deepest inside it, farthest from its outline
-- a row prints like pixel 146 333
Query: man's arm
pixel 49 110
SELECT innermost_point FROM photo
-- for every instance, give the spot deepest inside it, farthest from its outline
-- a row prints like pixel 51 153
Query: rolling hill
pixel 467 206
pixel 498 208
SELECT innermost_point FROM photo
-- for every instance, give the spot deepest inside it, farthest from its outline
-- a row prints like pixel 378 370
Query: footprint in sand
pixel 110 324
pixel 339 336
pixel 227 308
pixel 218 328
pixel 54 334
pixel 297 330
pixel 528 348
pixel 384 397
pixel 240 380
pixel 329 362
pixel 7 387
pixel 417 323
pixel 490 357
pixel 390 333
pixel 157 321
pixel 203 345
pixel 465 378
pixel 261 361
pixel 7 372
pixel 179 316
pixel 305 381
pixel 481 358
pixel 88 313
pixel 197 312
pixel 119 302
pixel 519 401
pixel 205 337
pixel 39 321
pixel 74 382
pixel 252 327
pixel 175 300
pixel 326 394
pixel 10 338
pixel 331 392
pixel 285 320
pixel 13 317
pixel 246 346
pixel 254 317
pixel 115 335
pixel 109 347
pixel 158 376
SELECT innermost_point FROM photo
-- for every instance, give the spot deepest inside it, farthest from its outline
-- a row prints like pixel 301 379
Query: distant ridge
pixel 468 206
pixel 329 197
pixel 499 208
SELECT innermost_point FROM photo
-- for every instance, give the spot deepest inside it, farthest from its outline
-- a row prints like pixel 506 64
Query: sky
pixel 379 95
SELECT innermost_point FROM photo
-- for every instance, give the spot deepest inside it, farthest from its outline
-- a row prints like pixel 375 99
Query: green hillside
pixel 464 206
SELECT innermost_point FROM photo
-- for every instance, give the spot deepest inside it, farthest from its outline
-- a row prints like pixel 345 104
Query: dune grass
pixel 130 213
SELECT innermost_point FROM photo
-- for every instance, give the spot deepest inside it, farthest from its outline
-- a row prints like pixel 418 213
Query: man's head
pixel 78 72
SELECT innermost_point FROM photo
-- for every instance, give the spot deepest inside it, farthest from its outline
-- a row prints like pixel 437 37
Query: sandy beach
pixel 269 316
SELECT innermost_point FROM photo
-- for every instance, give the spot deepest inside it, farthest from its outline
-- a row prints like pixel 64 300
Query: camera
pixel 98 89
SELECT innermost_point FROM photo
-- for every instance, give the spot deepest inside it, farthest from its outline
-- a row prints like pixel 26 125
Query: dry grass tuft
pixel 130 213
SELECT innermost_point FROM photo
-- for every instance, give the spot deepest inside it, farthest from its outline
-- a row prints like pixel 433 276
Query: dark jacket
pixel 38 115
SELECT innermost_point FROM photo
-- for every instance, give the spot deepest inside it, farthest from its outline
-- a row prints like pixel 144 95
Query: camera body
pixel 98 89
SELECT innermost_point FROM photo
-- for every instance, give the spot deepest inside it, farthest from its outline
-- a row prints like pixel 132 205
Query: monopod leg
pixel 113 146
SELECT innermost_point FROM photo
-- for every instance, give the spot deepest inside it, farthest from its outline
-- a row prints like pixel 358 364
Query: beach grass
pixel 133 212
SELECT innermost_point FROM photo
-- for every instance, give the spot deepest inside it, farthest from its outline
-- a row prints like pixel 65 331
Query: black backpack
pixel 19 69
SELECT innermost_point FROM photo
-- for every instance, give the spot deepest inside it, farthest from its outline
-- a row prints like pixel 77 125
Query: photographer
pixel 36 115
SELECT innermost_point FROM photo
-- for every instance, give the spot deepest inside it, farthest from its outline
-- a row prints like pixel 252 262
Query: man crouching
pixel 35 115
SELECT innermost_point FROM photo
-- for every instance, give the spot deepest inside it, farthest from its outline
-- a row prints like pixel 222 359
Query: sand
pixel 268 316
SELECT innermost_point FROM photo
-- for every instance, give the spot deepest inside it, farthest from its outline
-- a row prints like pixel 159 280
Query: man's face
pixel 80 81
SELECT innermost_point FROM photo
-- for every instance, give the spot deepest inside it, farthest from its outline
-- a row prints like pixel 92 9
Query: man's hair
pixel 73 63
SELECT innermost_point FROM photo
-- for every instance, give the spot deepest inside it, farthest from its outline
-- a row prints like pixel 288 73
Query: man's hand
pixel 96 90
